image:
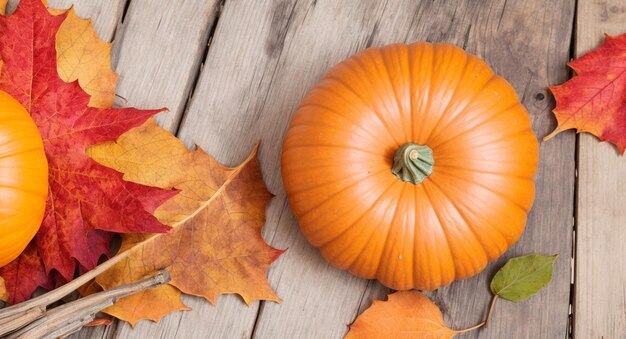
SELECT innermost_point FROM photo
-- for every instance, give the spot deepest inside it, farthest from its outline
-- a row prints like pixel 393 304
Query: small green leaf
pixel 522 277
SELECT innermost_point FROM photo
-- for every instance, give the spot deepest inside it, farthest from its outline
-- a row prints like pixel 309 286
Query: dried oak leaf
pixel 215 246
pixel 86 200
pixel 406 314
pixel 594 100
pixel 82 56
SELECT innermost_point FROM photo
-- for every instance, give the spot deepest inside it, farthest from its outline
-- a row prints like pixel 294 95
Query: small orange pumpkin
pixel 23 179
pixel 412 164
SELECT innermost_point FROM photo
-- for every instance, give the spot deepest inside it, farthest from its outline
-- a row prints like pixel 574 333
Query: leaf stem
pixel 491 308
pixel 484 323
pixel 55 295
pixel 471 328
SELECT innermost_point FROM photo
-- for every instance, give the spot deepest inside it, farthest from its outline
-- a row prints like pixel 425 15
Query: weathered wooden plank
pixel 158 50
pixel 600 296
pixel 266 56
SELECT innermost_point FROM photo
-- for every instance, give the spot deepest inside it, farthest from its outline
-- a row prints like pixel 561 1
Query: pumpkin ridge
pixel 329 241
pixel 409 62
pixel 389 231
pixel 481 123
pixel 464 107
pixel 451 97
pixel 375 57
pixel 416 234
pixel 479 184
pixel 494 141
pixel 333 112
pixel 338 129
pixel 357 180
pixel 13 154
pixel 394 89
pixel 373 109
pixel 426 57
pixel 32 192
pixel 476 170
pixel 350 267
pixel 468 226
pixel 493 244
pixel 362 162
pixel 334 146
pixel 443 230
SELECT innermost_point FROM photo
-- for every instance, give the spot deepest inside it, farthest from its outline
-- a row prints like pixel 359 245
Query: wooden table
pixel 233 72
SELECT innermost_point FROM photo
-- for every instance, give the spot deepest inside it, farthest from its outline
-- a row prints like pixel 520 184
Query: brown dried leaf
pixel 215 246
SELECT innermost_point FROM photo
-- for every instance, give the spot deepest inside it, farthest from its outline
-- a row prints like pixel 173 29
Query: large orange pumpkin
pixel 23 179
pixel 412 164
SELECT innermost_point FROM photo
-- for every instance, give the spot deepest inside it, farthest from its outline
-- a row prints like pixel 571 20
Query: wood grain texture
pixel 104 14
pixel 158 49
pixel 600 295
pixel 265 57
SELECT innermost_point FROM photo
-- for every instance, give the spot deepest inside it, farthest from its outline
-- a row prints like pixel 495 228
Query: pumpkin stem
pixel 413 163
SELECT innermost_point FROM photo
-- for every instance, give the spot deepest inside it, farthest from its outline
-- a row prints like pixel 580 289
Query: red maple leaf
pixel 23 275
pixel 86 200
pixel 594 100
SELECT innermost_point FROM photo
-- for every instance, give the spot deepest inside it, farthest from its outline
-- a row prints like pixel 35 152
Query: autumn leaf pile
pixel 145 183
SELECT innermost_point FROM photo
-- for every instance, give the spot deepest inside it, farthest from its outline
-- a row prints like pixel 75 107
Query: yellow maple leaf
pixel 215 246
pixel 82 56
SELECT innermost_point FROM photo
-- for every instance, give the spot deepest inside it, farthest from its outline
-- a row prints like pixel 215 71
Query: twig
pixel 55 295
pixel 70 317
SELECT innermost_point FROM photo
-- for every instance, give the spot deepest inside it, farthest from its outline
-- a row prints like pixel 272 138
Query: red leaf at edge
pixel 594 100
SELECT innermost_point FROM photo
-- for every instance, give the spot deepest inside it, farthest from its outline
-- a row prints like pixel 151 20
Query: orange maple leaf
pixel 594 100
pixel 407 314
pixel 215 246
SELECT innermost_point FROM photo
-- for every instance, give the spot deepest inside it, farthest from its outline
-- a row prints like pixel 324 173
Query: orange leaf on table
pixel 87 201
pixel 406 314
pixel 215 246
pixel 594 100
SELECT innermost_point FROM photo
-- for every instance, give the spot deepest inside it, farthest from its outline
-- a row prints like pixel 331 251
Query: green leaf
pixel 522 277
